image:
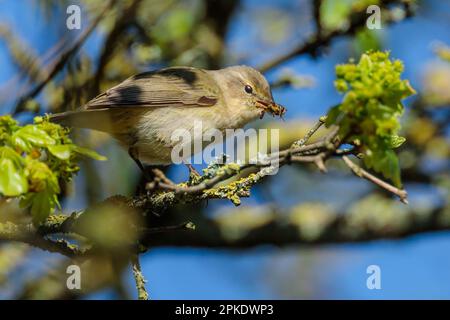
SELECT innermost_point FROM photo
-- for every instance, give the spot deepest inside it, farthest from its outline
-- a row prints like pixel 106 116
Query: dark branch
pixel 321 39
pixel 334 228
pixel 62 60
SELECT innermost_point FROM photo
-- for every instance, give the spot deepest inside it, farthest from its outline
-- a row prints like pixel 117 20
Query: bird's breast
pixel 159 130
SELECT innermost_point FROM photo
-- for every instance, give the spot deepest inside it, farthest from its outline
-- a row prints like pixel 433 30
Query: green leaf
pixel 31 105
pixel 392 168
pixel 334 13
pixel 332 115
pixel 34 179
pixel 179 23
pixel 89 153
pixel 31 134
pixel 13 181
pixel 371 109
pixel 366 39
pixel 396 141
pixel 62 151
pixel 386 162
pixel 7 152
pixel 20 143
pixel 365 63
pixel 42 203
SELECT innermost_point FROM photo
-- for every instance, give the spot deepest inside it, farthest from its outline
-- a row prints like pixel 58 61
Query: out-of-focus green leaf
pixel 443 52
pixel 366 40
pixel 332 116
pixel 62 151
pixel 31 134
pixel 397 141
pixel 33 159
pixel 12 178
pixel 42 203
pixel 175 26
pixel 31 105
pixel 334 13
pixel 89 153
pixel 391 168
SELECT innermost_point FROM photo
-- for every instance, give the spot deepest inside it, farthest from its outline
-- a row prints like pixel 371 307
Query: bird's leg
pixel 134 155
pixel 192 171
pixel 156 176
pixel 161 176
pixel 194 176
pixel 288 157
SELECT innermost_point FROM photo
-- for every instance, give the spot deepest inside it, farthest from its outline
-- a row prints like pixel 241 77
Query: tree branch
pixel 59 64
pixel 320 39
pixel 139 278
pixel 282 229
pixel 197 189
pixel 360 172
pixel 27 234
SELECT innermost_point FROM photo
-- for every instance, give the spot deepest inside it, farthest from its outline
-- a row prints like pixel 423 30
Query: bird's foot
pixel 193 174
pixel 192 171
pixel 161 177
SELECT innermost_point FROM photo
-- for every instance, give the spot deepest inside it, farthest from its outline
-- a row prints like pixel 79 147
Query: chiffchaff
pixel 144 110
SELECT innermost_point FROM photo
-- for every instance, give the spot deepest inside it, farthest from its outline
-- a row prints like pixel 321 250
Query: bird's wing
pixel 167 87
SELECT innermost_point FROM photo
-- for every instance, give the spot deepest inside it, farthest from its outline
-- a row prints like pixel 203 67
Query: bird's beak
pixel 271 107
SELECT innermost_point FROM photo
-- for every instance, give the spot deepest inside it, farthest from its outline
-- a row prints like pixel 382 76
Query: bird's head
pixel 249 87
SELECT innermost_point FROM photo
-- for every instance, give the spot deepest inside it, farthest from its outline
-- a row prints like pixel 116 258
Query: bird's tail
pixel 96 119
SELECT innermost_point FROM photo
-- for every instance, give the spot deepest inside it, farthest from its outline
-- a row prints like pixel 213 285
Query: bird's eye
pixel 248 89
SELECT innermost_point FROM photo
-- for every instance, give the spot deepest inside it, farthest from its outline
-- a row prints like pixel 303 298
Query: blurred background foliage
pixel 139 35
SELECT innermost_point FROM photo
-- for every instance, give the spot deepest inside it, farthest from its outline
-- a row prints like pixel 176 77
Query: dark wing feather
pixel 167 87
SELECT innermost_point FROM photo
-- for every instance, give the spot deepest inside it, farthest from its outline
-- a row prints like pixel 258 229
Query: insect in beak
pixel 273 108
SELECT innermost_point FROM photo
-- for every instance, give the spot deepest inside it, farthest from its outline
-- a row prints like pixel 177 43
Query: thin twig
pixel 317 16
pixel 360 172
pixel 63 59
pixel 139 278
pixel 192 189
pixel 182 226
pixel 293 154
pixel 126 17
pixel 309 134
pixel 316 153
pixel 318 40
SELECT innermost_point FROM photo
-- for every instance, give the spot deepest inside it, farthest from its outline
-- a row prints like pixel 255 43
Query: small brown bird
pixel 143 111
